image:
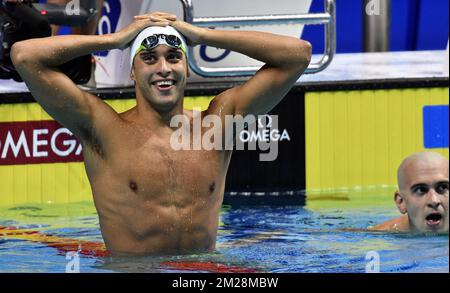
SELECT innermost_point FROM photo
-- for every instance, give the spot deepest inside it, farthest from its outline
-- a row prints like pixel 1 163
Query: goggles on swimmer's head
pixel 154 41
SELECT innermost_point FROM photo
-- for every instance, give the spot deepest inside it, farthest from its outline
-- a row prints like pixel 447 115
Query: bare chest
pixel 154 170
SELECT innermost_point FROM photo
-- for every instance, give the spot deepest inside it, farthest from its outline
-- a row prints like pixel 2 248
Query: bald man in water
pixel 422 195
pixel 151 198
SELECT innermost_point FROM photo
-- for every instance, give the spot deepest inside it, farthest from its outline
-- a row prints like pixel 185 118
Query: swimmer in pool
pixel 422 195
pixel 150 198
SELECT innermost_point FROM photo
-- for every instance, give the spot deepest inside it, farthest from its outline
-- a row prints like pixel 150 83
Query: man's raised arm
pixel 286 59
pixel 37 60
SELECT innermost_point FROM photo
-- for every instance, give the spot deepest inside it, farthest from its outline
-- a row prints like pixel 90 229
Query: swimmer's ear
pixel 400 202
pixel 188 70
pixel 132 75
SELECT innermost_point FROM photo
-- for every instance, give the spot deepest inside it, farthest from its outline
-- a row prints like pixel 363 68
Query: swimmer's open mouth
pixel 163 85
pixel 433 219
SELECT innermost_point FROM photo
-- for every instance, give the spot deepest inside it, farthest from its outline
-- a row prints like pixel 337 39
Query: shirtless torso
pixel 151 198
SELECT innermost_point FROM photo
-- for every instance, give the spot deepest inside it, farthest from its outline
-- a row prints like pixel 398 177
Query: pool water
pixel 266 239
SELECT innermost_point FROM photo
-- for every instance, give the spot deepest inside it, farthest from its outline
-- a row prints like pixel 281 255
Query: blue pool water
pixel 288 239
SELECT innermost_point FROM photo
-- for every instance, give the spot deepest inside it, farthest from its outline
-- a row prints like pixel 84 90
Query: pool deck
pixel 382 66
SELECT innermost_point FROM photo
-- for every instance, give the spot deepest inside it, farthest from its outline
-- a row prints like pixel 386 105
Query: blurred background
pixel 414 25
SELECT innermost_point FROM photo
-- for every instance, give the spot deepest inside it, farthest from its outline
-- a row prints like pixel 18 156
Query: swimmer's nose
pixel 434 200
pixel 164 67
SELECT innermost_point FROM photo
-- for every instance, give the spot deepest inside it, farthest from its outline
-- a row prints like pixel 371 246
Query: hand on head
pixel 157 17
pixel 190 32
pixel 124 37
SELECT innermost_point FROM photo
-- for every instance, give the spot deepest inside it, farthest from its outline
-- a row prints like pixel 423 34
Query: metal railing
pixel 328 18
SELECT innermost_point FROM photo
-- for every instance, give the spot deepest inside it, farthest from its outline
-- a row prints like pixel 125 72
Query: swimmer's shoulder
pixel 400 224
pixel 222 104
pixel 129 115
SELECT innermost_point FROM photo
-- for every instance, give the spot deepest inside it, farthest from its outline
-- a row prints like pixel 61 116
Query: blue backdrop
pixel 415 25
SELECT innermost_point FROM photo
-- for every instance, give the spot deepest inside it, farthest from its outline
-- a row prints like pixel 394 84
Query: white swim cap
pixel 155 30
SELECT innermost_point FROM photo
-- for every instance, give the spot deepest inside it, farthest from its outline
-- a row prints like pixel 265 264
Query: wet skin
pixel 151 198
pixel 157 199
pixel 422 196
